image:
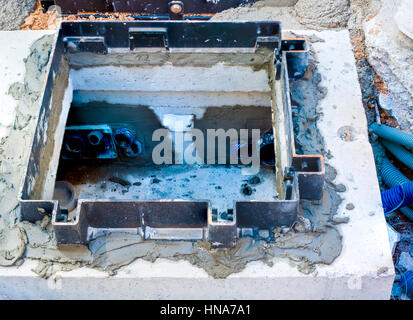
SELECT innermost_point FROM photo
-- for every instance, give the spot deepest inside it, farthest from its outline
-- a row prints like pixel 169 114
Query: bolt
pixel 176 8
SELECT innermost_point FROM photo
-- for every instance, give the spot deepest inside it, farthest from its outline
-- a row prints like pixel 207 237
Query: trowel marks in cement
pixel 111 251
pixel 15 148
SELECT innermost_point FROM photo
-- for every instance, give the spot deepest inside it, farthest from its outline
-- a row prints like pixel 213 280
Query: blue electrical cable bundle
pixel 392 177
pixel 401 153
pixel 397 197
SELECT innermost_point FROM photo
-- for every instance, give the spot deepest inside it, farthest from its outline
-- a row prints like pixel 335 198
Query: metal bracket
pixel 148 38
pixel 86 44
pixel 297 51
pixel 145 7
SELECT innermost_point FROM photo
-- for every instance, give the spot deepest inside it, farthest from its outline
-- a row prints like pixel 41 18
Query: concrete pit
pixel 326 261
pixel 146 98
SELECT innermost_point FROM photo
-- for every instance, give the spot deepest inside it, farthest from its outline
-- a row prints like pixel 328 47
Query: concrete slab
pixel 364 270
pixel 15 47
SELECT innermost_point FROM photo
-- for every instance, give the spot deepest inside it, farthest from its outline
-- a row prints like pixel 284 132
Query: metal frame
pixel 144 7
pixel 300 177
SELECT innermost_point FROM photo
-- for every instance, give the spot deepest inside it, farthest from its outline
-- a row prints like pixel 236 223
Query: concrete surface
pixel 404 18
pixel 364 270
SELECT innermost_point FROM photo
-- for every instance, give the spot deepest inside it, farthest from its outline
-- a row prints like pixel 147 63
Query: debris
pixel 406 261
pixel 340 187
pixel 254 180
pixel 120 181
pixel 350 206
pixel 339 220
pixel 246 190
pixel 39 20
pixel 382 270
pixel 394 237
pixel 12 245
pixel 14 12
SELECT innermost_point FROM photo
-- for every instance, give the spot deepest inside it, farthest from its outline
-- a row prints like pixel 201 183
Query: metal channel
pixel 301 176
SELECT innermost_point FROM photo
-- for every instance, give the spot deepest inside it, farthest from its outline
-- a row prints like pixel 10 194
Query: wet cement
pixel 315 240
pixel 14 149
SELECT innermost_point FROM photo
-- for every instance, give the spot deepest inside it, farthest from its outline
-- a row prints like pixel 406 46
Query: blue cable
pixel 397 197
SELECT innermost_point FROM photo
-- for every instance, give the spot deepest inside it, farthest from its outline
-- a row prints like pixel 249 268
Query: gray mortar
pixel 14 12
pixel 14 150
pixel 111 251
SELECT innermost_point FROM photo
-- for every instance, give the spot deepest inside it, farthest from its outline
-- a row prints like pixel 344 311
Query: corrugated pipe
pixel 397 197
pixel 392 134
pixel 393 178
pixel 401 153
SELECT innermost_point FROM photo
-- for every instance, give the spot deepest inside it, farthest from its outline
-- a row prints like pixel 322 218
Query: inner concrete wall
pixel 173 89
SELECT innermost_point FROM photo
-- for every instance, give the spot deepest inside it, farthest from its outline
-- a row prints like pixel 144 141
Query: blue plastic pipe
pixel 124 137
pixel 392 134
pixel 95 137
pixel 134 150
pixel 393 178
pixel 401 153
pixel 407 212
pixel 397 197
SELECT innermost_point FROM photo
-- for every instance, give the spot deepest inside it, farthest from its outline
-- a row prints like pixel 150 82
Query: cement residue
pixel 14 147
pixel 12 244
pixel 42 246
pixel 125 58
pixel 14 12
